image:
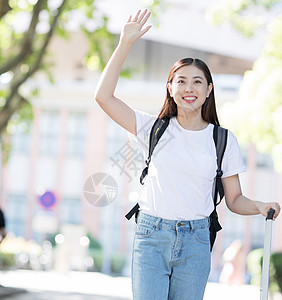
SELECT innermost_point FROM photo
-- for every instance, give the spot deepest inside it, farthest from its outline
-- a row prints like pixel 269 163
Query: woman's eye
pixel 180 81
pixel 198 81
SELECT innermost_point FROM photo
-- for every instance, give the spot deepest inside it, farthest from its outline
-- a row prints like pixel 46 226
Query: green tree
pixel 246 16
pixel 257 115
pixel 24 49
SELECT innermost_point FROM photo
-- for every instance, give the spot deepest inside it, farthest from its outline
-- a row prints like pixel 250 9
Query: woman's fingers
pixel 145 19
pixel 141 19
pixel 142 32
pixel 142 16
pixel 133 29
pixel 276 207
pixel 137 15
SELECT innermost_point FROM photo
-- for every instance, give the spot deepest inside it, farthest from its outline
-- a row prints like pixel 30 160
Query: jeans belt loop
pixel 191 227
pixel 157 224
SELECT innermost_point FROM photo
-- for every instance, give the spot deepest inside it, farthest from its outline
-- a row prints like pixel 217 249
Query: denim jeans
pixel 171 259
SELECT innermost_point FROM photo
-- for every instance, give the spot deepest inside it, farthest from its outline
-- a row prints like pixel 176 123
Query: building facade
pixel 71 139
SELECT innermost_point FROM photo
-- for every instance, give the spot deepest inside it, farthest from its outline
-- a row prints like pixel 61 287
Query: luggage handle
pixel 266 255
pixel 270 214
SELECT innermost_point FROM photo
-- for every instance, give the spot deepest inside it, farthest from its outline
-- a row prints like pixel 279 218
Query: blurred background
pixel 55 138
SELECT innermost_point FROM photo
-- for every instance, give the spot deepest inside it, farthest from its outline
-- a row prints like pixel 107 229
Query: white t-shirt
pixel 180 180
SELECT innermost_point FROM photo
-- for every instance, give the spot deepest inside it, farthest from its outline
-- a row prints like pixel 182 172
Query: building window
pixel 258 222
pixel 116 138
pixel 20 141
pixel 71 211
pixel 265 161
pixel 76 134
pixel 15 213
pixel 49 129
pixel 110 227
pixel 233 227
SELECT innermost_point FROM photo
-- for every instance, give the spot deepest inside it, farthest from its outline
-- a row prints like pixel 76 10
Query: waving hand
pixel 115 108
pixel 133 28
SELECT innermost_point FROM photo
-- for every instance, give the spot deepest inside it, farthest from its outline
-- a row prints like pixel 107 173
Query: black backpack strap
pixel 157 131
pixel 133 211
pixel 220 140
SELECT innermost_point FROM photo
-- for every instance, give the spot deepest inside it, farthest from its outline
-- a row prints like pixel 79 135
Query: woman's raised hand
pixel 132 30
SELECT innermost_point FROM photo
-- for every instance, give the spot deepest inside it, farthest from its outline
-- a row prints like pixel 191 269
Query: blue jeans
pixel 171 259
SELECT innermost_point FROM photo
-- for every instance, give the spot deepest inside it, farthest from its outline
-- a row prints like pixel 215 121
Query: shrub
pixel 276 259
pixel 94 244
pixel 118 262
pixel 7 260
pixel 98 260
pixel 254 262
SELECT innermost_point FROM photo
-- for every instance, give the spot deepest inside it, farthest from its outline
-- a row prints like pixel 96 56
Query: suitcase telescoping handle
pixel 266 256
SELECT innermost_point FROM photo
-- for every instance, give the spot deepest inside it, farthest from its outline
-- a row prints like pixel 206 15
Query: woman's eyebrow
pixel 197 76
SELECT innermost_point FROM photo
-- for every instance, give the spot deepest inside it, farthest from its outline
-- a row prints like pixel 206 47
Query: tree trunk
pixel 4 8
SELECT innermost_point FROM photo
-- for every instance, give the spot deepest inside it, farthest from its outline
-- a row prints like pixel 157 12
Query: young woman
pixel 171 255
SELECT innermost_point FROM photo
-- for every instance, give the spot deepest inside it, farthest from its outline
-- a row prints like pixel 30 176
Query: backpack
pixel 220 141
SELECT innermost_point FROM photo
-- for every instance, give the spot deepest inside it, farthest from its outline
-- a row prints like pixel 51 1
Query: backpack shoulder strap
pixel 220 140
pixel 157 131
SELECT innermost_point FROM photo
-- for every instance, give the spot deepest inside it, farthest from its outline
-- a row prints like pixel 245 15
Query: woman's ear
pixel 168 85
pixel 210 87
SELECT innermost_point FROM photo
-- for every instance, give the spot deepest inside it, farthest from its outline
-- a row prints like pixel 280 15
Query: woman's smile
pixel 189 99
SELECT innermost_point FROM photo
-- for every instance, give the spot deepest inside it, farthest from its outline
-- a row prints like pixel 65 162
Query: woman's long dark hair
pixel 169 108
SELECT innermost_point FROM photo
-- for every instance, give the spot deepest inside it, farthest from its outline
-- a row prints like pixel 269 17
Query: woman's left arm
pixel 240 204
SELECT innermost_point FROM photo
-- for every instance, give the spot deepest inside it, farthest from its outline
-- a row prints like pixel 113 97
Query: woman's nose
pixel 189 88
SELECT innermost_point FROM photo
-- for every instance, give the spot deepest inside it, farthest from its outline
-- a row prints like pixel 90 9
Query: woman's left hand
pixel 133 29
pixel 265 207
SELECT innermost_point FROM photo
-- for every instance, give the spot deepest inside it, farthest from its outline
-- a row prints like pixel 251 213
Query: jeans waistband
pixel 172 224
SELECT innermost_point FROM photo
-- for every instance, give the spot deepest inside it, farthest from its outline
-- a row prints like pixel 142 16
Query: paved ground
pixel 95 286
pixel 39 295
pixel 71 286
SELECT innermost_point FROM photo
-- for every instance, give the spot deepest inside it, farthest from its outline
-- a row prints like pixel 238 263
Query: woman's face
pixel 189 89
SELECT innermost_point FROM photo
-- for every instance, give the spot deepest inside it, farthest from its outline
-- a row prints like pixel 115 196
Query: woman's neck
pixel 191 121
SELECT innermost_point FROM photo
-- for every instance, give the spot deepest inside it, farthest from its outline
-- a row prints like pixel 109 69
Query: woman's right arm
pixel 115 108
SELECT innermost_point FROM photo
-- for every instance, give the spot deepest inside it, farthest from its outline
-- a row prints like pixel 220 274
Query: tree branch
pixel 15 103
pixel 4 8
pixel 14 99
pixel 27 41
pixel 48 36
